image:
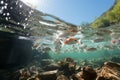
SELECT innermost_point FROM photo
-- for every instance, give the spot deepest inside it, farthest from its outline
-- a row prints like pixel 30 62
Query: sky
pixel 75 11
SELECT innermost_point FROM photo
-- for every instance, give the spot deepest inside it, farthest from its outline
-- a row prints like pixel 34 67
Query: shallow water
pixel 48 34
pixel 104 50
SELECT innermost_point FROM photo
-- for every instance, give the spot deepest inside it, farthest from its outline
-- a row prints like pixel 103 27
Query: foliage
pixel 101 22
pixel 110 17
pixel 85 24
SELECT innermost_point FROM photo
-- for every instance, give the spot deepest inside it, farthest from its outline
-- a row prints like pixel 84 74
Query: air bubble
pixel 1 11
pixel 20 6
pixel 26 19
pixel 6 18
pixel 8 14
pixel 5 26
pixel 18 23
pixel 16 2
pixel 5 7
pixel 2 8
pixel 6 4
pixel 9 17
pixel 24 27
pixel 31 12
pixel 11 7
pixel 27 24
pixel 28 15
pixel 2 2
pixel 3 14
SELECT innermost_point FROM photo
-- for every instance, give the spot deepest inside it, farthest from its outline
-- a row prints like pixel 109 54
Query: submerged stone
pixel 87 73
pixel 109 71
pixel 62 77
pixel 48 75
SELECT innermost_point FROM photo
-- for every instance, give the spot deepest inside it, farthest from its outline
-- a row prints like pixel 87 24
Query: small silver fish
pixel 91 49
pixel 98 40
pixel 58 45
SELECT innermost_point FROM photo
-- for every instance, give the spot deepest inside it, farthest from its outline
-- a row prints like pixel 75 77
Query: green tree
pixel 101 22
pixel 85 24
pixel 111 17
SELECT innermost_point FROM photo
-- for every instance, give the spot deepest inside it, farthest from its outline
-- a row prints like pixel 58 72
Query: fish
pixel 36 46
pixel 49 60
pixel 105 31
pixel 115 35
pixel 67 33
pixel 98 40
pixel 70 41
pixel 73 30
pixel 58 45
pixel 115 41
pixel 98 34
pixel 91 49
pixel 64 34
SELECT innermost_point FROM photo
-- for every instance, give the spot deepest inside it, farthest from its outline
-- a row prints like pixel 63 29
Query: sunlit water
pixel 105 50
pixel 48 33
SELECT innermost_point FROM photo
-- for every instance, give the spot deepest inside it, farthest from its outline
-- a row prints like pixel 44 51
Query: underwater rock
pixel 34 70
pixel 34 78
pixel 78 68
pixel 24 74
pixel 87 73
pixel 68 60
pixel 50 67
pixel 68 66
pixel 48 75
pixel 62 77
pixel 45 62
pixel 77 76
pixel 109 71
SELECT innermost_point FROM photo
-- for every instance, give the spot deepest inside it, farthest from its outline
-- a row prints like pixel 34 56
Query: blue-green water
pixel 49 34
pixel 91 57
pixel 104 50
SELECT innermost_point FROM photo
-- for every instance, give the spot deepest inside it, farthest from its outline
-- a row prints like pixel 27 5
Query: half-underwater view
pixel 59 39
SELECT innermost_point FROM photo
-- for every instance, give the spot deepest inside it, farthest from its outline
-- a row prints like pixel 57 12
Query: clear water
pixel 104 51
pixel 101 40
pixel 48 33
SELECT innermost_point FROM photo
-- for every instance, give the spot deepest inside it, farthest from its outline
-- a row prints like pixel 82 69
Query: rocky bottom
pixel 65 70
